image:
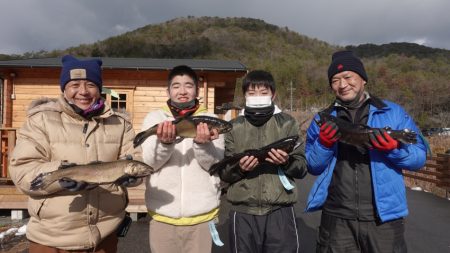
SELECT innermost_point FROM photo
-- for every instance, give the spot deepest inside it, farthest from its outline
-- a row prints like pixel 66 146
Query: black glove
pixel 126 181
pixel 72 185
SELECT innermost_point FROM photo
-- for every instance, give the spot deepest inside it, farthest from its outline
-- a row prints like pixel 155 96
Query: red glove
pixel 382 141
pixel 329 134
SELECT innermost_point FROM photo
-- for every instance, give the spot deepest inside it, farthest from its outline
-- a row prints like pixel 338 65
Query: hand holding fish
pixel 204 134
pixel 277 156
pixel 382 141
pixel 185 127
pixel 329 134
pixel 248 163
pixel 166 132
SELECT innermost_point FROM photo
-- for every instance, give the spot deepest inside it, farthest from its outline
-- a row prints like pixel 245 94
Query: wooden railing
pixel 436 173
pixel 8 142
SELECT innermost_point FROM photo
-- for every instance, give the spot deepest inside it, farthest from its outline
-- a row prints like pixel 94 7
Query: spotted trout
pixel 286 144
pixel 96 173
pixel 358 134
pixel 186 127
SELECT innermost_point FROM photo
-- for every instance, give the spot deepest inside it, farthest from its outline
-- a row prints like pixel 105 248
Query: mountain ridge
pixel 412 75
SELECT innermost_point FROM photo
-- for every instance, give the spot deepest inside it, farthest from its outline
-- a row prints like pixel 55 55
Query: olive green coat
pixel 260 191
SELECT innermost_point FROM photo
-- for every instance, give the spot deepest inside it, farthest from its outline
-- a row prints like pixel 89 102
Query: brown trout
pixel 93 173
pixel 187 128
pixel 358 134
pixel 286 144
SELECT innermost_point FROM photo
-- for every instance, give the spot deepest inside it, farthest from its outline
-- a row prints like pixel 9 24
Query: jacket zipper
pixel 357 115
pixel 85 127
pixel 259 182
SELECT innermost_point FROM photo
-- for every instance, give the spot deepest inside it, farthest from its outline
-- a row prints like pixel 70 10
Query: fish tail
pixel 214 168
pixel 42 181
pixel 426 143
pixel 141 137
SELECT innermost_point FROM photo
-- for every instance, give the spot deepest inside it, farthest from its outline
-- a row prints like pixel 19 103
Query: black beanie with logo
pixel 346 61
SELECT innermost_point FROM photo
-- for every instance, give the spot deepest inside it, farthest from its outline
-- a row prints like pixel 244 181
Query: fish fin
pixel 121 178
pixel 254 150
pixel 41 181
pixel 65 165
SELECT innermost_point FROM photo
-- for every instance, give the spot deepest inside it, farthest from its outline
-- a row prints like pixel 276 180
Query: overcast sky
pixel 33 25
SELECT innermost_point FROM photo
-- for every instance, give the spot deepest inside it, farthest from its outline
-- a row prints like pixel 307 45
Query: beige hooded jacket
pixel 53 132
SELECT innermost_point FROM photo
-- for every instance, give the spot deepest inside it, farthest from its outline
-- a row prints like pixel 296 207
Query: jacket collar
pixel 376 104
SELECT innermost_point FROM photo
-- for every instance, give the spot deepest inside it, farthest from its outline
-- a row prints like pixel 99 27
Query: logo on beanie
pixel 78 74
pixel 340 67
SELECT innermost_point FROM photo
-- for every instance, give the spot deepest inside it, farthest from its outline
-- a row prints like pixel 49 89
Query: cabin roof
pixel 135 63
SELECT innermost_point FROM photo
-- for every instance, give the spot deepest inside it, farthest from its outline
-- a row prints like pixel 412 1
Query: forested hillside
pixel 414 76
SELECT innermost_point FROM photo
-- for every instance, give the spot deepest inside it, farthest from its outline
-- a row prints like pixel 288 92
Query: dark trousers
pixel 342 235
pixel 108 245
pixel 270 233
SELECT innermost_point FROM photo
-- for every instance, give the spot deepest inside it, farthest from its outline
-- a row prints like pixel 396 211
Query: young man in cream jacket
pixel 181 196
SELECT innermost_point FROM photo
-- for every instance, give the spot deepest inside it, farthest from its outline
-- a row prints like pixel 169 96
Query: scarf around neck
pixel 183 109
pixel 259 116
pixel 94 110
pixel 355 103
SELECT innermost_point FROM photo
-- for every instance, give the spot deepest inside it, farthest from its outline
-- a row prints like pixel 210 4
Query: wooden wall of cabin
pixel 144 95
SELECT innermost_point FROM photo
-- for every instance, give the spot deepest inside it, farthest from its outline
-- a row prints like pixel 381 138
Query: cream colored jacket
pixel 54 132
pixel 181 185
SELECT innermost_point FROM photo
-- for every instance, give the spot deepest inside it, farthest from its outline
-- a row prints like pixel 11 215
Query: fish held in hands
pixel 286 144
pixel 359 135
pixel 186 127
pixel 95 173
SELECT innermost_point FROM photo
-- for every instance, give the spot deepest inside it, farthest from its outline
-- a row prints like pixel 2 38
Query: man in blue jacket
pixel 360 190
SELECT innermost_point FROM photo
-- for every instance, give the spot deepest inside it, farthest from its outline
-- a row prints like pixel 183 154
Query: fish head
pixel 137 168
pixel 405 136
pixel 292 142
pixel 286 144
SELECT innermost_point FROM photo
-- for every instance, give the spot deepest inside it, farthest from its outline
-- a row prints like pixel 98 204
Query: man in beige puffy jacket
pixel 78 127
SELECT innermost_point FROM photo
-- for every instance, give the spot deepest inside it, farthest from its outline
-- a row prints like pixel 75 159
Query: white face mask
pixel 258 101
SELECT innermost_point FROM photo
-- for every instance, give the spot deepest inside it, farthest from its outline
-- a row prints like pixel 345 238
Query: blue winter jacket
pixel 386 167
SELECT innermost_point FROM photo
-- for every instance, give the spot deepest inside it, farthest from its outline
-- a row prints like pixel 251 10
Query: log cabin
pixel 134 85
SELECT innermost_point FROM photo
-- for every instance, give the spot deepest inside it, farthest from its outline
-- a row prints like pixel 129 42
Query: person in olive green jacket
pixel 262 194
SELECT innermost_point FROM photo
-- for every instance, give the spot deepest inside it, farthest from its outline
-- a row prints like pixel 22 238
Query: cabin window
pixel 119 100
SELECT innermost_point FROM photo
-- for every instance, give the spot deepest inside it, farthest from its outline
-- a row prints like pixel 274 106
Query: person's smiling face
pixel 82 93
pixel 182 89
pixel 347 85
